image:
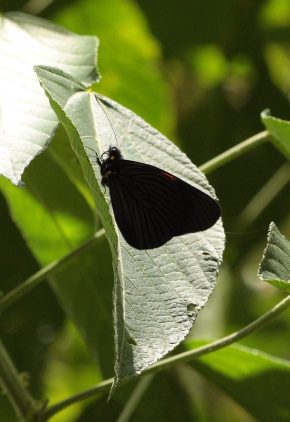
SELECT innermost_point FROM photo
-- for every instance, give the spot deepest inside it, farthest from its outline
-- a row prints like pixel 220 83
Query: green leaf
pixel 257 381
pixel 158 293
pixel 280 131
pixel 27 121
pixel 275 265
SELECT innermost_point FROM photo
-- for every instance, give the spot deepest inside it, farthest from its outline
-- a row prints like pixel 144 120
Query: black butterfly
pixel 150 205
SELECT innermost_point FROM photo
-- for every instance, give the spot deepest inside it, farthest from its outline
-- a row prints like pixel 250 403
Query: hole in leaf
pixel 131 341
pixel 191 308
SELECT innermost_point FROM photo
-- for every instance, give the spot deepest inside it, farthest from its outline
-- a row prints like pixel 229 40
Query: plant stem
pixel 178 359
pixel 235 152
pixel 24 405
pixel 264 197
pixel 101 388
pixel 45 272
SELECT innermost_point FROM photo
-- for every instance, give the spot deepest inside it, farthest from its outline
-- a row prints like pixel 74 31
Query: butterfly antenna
pixel 108 120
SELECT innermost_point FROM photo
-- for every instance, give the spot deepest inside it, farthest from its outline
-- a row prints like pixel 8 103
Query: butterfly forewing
pixel 151 206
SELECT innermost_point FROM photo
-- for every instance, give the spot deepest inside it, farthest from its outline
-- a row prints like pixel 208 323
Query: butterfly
pixel 151 206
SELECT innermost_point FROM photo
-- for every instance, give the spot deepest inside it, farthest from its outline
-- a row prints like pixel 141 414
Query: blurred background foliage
pixel 201 72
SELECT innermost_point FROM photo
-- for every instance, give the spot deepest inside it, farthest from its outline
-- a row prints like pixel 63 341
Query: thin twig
pixel 135 398
pixel 33 281
pixel 235 152
pixel 24 405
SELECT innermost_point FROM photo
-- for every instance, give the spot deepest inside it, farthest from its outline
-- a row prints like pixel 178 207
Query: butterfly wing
pixel 151 206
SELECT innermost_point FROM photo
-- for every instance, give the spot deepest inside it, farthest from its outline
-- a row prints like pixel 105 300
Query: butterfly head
pixel 108 164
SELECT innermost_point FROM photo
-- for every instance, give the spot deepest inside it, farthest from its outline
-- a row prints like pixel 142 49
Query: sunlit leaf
pixel 27 122
pixel 158 293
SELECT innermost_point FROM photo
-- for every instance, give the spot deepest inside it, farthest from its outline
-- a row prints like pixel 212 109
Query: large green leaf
pixel 27 122
pixel 275 265
pixel 280 130
pixel 257 381
pixel 158 293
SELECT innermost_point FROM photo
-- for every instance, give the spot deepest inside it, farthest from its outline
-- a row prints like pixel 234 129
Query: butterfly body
pixel 151 205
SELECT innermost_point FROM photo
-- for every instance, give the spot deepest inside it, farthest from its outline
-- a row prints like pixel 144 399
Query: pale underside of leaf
pixel 275 265
pixel 158 292
pixel 27 122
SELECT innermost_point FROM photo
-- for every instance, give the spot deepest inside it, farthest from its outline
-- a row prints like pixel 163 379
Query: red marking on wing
pixel 169 175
